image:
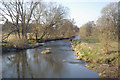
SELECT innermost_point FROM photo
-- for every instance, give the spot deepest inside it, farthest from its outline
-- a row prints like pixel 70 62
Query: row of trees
pixel 105 28
pixel 39 19
pixel 86 29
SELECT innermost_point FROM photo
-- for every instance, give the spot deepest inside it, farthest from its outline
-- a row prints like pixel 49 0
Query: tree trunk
pixel 36 37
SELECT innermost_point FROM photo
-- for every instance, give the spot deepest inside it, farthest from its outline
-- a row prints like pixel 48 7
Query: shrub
pixel 18 43
pixel 107 61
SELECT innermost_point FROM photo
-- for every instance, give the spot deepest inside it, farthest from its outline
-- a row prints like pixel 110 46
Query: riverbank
pixel 8 47
pixel 90 50
pixel 60 63
pixel 105 70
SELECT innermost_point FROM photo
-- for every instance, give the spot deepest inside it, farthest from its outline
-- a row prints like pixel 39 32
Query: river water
pixel 60 63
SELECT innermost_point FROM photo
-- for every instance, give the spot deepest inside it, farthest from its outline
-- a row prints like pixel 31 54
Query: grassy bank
pixel 90 50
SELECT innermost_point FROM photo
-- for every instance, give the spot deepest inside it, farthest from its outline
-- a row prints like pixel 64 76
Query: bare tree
pixel 51 16
pixel 110 18
pixel 68 29
pixel 108 25
pixel 37 15
pixel 19 15
pixel 86 29
pixel 44 19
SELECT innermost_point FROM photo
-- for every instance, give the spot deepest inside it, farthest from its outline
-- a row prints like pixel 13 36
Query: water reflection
pixel 21 64
pixel 32 64
pixel 35 65
pixel 77 37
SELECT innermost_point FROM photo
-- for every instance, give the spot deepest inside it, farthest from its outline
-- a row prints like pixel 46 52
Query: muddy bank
pixel 31 45
pixel 104 70
pixel 26 46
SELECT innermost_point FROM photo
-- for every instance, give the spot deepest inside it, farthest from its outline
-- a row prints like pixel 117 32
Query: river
pixel 60 63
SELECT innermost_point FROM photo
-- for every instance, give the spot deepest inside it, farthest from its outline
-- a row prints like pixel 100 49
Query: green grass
pixel 91 50
pixel 90 40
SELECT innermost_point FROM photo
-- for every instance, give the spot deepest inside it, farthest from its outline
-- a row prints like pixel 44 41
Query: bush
pixel 18 43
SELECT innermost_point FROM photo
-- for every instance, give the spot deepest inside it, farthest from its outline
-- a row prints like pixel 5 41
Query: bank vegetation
pixel 99 44
pixel 29 22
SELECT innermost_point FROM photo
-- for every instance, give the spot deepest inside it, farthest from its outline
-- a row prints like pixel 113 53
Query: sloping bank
pixel 8 47
pixel 90 50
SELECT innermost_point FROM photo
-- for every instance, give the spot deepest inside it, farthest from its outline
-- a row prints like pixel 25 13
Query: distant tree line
pixel 105 28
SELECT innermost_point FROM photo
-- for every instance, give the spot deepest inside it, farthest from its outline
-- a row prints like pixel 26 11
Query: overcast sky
pixel 84 10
